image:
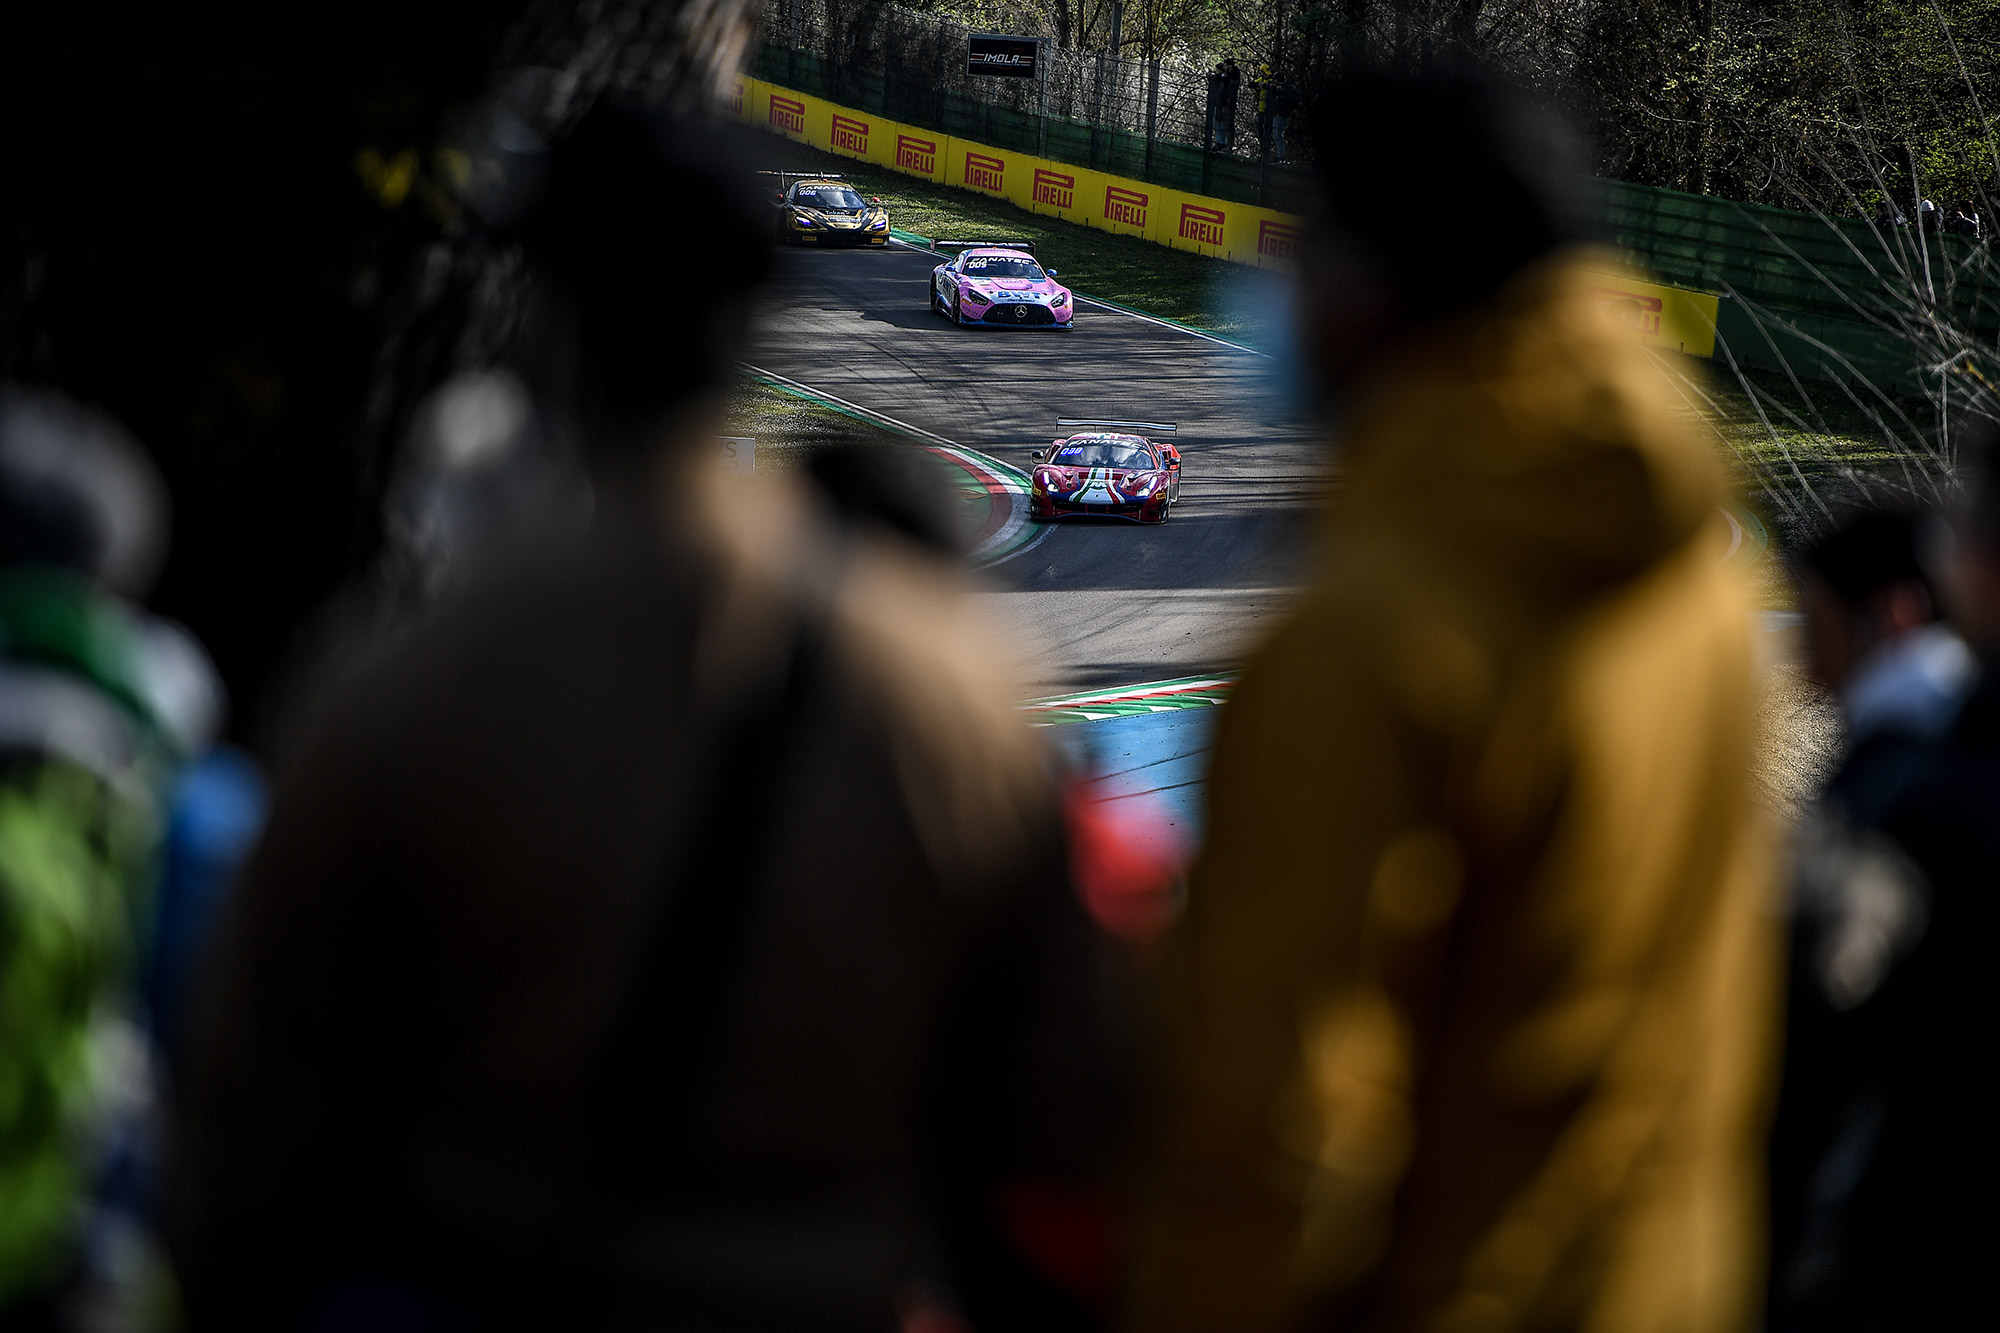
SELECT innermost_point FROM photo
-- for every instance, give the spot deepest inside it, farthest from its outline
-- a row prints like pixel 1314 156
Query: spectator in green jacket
pixel 98 703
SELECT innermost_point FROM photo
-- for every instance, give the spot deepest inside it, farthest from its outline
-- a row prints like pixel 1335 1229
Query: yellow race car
pixel 825 210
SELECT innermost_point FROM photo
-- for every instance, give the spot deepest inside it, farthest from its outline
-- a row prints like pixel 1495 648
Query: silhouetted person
pixel 1858 907
pixel 1215 131
pixel 672 929
pixel 99 706
pixel 1232 82
pixel 1898 1229
pixel 1469 1014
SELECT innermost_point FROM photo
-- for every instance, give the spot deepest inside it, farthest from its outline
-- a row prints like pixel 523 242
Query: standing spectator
pixel 1232 81
pixel 1966 221
pixel 1903 1233
pixel 1216 79
pixel 1469 1016
pixel 1929 216
pixel 1858 911
pixel 1284 102
pixel 99 705
pixel 1265 92
pixel 673 929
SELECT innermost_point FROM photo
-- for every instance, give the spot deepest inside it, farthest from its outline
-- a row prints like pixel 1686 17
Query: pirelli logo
pixel 1203 225
pixel 1636 311
pixel 983 172
pixel 918 155
pixel 1278 240
pixel 850 135
pixel 1125 207
pixel 788 114
pixel 1054 189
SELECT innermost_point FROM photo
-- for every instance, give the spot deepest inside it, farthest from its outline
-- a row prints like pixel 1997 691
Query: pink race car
pixel 999 282
pixel 1101 472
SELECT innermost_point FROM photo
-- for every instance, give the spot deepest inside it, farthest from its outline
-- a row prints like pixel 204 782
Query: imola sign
pixel 1009 57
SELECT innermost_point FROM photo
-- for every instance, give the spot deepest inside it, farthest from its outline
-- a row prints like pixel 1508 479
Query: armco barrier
pixel 1661 316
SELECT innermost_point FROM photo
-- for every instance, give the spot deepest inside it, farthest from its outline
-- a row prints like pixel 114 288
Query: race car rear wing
pixel 1028 246
pixel 804 175
pixel 1149 427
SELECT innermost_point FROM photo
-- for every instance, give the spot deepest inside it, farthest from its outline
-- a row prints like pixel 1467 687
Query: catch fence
pixel 1148 119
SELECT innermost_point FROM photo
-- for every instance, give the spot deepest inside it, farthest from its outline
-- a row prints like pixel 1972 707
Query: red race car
pixel 1108 470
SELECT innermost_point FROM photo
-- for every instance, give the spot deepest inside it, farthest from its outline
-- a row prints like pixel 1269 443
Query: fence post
pixel 1096 111
pixel 1152 110
pixel 792 44
pixel 1041 98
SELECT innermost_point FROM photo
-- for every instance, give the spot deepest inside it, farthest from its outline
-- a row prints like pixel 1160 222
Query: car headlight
pixel 972 295
pixel 1062 298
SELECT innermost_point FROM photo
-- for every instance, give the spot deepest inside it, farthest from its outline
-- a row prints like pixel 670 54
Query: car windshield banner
pixel 1010 57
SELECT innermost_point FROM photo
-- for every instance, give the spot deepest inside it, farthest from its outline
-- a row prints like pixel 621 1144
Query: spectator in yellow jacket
pixel 1469 1018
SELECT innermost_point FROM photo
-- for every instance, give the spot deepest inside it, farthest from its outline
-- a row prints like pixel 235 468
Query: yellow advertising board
pixel 1666 317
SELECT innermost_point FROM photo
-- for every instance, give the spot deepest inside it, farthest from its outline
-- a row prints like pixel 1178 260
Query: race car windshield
pixel 826 196
pixel 1002 266
pixel 1103 453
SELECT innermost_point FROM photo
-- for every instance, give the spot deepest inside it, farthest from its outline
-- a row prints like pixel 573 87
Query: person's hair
pixel 1382 135
pixel 650 232
pixel 1865 552
pixel 77 492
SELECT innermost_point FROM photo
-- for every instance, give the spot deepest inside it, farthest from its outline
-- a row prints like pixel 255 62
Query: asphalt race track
pixel 1096 602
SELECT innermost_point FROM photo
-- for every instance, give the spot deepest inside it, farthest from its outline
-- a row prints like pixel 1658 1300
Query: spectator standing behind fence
pixel 1965 220
pixel 1283 103
pixel 1468 1019
pixel 673 929
pixel 1215 80
pixel 1859 913
pixel 1264 90
pixel 1232 81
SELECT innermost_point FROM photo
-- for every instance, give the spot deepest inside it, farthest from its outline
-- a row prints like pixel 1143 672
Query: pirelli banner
pixel 1665 317
pixel 1218 227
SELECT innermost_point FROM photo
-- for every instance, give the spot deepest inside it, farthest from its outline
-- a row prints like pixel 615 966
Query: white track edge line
pixel 1017 516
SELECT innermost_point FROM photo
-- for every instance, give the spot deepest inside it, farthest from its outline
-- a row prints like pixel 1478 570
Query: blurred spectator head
pixel 1386 135
pixel 77 492
pixel 646 239
pixel 1862 584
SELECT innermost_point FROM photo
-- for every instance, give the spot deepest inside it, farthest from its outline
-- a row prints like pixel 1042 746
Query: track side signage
pixel 916 155
pixel 1671 318
pixel 1278 240
pixel 1661 316
pixel 1201 224
pixel 983 171
pixel 787 114
pixel 1125 207
pixel 1055 188
pixel 995 55
pixel 849 135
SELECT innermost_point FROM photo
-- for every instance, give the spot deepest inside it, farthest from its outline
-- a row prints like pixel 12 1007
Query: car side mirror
pixel 1036 454
pixel 875 201
pixel 1054 272
pixel 1174 464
